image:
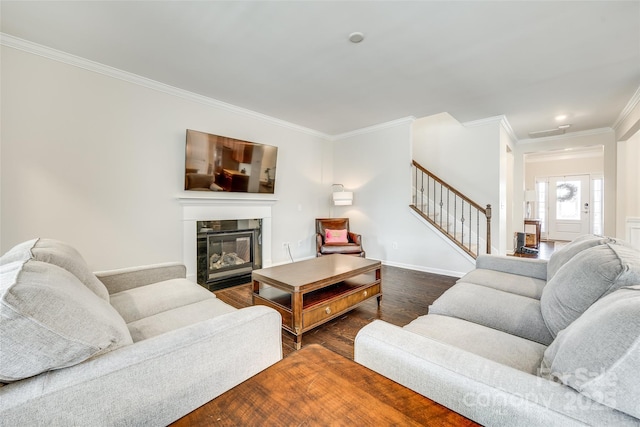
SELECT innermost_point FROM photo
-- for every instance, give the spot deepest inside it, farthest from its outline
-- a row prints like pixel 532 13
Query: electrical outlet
pixel 299 243
pixel 394 245
pixel 285 245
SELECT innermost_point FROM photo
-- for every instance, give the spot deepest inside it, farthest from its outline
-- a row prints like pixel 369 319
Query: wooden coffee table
pixel 316 387
pixel 311 292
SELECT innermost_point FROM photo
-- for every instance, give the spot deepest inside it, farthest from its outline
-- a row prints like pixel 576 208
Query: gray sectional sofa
pixel 525 342
pixel 138 346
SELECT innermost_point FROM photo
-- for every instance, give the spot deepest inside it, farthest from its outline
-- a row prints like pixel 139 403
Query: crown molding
pixel 96 67
pixel 499 120
pixel 374 128
pixel 631 105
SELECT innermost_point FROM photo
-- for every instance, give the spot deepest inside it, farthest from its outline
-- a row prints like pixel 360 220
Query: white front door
pixel 569 208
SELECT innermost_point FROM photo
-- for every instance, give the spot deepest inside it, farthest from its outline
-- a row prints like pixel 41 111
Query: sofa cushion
pixel 563 255
pixel 50 320
pixel 504 311
pixel 507 349
pixel 177 318
pixel 144 301
pixel 60 254
pixel 588 276
pixel 513 283
pixel 599 354
pixel 340 248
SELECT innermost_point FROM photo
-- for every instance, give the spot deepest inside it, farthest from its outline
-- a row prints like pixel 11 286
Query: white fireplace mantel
pixel 200 208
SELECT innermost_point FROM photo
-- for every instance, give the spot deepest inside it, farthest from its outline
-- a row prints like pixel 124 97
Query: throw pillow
pixel 50 320
pixel 60 254
pixel 335 236
pixel 563 255
pixel 598 355
pixel 20 252
pixel 587 277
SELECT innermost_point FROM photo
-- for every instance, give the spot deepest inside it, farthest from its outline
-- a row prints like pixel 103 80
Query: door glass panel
pixel 541 188
pixel 568 200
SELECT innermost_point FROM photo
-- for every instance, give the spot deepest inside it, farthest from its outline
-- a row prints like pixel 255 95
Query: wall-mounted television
pixel 220 163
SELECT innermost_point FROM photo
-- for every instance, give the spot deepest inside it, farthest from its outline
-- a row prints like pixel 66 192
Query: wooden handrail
pixel 486 211
pixel 450 187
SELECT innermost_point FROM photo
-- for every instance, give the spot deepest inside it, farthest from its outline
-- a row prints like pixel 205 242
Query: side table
pixel 538 225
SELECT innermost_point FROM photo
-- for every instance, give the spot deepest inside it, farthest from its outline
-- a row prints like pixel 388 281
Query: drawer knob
pixel 327 310
pixel 365 293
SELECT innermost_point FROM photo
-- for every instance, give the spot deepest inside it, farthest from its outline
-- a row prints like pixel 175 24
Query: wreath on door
pixel 566 192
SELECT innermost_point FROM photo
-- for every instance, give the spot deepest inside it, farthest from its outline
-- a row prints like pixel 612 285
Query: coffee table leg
pixel 379 277
pixel 296 307
pixel 256 290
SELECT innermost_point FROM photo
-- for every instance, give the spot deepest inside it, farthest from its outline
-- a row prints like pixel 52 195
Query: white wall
pixel 507 190
pixel 376 165
pixel 628 186
pixel 472 159
pixel 628 196
pixel 98 162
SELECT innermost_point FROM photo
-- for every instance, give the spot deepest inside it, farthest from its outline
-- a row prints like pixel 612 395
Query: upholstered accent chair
pixel 333 236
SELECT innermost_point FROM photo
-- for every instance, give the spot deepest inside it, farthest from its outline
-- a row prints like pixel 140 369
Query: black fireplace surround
pixel 228 251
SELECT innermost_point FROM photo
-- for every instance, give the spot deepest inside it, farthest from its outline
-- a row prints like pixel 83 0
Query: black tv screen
pixel 220 163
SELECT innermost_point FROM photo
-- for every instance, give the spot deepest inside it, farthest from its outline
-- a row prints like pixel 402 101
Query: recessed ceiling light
pixel 561 117
pixel 356 37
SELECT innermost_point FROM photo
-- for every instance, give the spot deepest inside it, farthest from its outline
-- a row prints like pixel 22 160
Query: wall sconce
pixel 341 198
pixel 529 196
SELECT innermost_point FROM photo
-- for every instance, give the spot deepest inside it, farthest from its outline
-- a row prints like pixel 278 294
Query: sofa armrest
pixel 154 381
pixel 480 389
pixel 536 268
pixel 127 278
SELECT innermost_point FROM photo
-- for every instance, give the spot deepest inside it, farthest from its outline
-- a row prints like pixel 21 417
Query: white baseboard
pixel 424 269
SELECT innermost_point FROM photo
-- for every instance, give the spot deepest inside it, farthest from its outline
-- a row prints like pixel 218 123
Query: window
pixel 597 198
pixel 541 208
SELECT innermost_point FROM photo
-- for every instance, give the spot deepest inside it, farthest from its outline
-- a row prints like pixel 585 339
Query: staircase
pixel 458 218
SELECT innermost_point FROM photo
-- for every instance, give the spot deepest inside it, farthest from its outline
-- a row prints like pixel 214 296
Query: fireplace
pixel 227 252
pixel 197 208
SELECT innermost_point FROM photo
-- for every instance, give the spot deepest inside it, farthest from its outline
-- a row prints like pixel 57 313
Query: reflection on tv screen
pixel 220 163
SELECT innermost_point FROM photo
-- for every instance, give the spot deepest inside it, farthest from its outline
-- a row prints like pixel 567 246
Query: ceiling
pixel 527 60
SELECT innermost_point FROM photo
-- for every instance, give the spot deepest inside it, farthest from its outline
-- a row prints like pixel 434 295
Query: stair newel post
pixel 488 215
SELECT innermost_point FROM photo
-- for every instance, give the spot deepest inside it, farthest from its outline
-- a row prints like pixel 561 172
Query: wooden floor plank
pixel 316 387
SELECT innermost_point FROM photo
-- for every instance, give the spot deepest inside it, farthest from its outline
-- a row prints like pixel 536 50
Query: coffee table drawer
pixel 332 308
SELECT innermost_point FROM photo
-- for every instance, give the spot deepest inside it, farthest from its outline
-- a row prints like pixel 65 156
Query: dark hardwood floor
pixel 407 294
pixel 545 250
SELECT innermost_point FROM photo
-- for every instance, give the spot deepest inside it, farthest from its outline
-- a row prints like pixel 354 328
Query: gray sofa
pixel 524 342
pixel 138 346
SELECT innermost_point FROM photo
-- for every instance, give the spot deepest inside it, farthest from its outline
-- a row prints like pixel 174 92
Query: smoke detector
pixel 356 37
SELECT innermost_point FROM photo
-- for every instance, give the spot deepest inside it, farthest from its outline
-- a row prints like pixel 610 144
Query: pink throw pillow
pixel 335 236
